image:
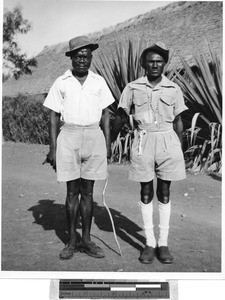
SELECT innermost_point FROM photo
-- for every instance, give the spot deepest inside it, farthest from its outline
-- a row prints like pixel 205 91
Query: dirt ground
pixel 34 227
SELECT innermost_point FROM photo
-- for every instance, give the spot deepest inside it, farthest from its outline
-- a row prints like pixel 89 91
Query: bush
pixel 25 120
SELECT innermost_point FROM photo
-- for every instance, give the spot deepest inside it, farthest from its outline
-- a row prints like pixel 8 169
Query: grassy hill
pixel 182 26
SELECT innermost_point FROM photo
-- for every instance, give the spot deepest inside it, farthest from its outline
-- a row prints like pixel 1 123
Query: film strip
pixel 112 289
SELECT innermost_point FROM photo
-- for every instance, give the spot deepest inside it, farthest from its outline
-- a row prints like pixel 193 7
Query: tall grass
pixel 205 155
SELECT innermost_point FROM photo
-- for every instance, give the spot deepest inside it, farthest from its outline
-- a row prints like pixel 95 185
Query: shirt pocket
pixel 140 104
pixel 94 92
pixel 166 107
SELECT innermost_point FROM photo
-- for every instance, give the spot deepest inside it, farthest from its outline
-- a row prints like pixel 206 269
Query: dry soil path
pixel 34 222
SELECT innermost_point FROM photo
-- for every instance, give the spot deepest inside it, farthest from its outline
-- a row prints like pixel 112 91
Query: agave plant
pixel 121 69
pixel 202 90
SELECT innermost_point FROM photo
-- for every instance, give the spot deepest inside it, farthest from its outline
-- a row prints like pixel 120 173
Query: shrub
pixel 25 120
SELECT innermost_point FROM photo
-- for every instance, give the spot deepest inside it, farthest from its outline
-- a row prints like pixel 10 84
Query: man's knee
pixel 86 196
pixel 147 192
pixel 163 191
pixel 72 198
pixel 146 197
pixel 72 194
pixel 87 189
pixel 163 196
pixel 73 190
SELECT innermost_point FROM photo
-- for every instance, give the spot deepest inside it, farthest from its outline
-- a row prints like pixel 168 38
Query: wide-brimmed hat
pixel 158 48
pixel 80 42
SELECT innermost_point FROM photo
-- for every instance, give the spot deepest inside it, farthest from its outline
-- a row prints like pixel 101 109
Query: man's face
pixel 154 65
pixel 81 61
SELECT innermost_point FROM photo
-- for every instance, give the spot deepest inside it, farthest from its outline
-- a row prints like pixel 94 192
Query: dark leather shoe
pixel 147 256
pixel 91 249
pixel 163 255
pixel 69 251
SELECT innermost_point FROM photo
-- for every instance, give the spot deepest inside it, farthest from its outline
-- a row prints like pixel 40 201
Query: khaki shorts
pixel 161 156
pixel 81 153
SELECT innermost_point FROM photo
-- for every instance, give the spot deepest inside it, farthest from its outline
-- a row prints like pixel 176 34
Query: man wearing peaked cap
pixel 80 98
pixel 156 104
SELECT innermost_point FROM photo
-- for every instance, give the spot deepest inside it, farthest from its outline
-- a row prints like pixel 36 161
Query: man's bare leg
pixel 72 212
pixel 86 211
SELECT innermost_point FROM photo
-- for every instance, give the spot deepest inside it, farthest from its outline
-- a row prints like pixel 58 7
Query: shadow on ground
pixel 52 216
pixel 215 176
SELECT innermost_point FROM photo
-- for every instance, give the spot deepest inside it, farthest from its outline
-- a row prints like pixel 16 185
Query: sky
pixel 56 21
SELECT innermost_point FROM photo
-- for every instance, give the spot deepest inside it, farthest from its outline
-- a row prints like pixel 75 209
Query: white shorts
pixel 161 156
pixel 81 153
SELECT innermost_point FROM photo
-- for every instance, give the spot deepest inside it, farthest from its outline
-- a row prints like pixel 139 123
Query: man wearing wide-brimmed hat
pixel 79 153
pixel 157 104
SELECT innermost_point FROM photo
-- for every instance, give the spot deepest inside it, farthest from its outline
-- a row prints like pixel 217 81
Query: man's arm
pixel 178 128
pixel 105 124
pixel 53 133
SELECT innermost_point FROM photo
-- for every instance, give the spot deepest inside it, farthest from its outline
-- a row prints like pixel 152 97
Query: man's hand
pixel 53 132
pixel 51 159
pixel 178 128
pixel 109 152
pixel 105 122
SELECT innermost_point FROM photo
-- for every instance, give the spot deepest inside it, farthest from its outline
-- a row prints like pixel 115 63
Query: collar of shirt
pixel 69 73
pixel 165 82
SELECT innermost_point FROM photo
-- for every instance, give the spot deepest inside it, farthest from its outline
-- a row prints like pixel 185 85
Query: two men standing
pixel 79 154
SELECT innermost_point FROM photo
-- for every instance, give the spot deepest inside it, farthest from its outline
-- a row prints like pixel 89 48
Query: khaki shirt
pixel 152 105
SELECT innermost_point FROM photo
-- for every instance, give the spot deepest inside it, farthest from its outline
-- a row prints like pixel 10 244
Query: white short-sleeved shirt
pixel 79 104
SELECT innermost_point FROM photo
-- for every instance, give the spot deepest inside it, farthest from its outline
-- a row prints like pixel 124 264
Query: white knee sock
pixel 164 221
pixel 147 217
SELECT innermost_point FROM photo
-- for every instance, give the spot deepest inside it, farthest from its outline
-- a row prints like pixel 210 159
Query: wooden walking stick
pixel 113 226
